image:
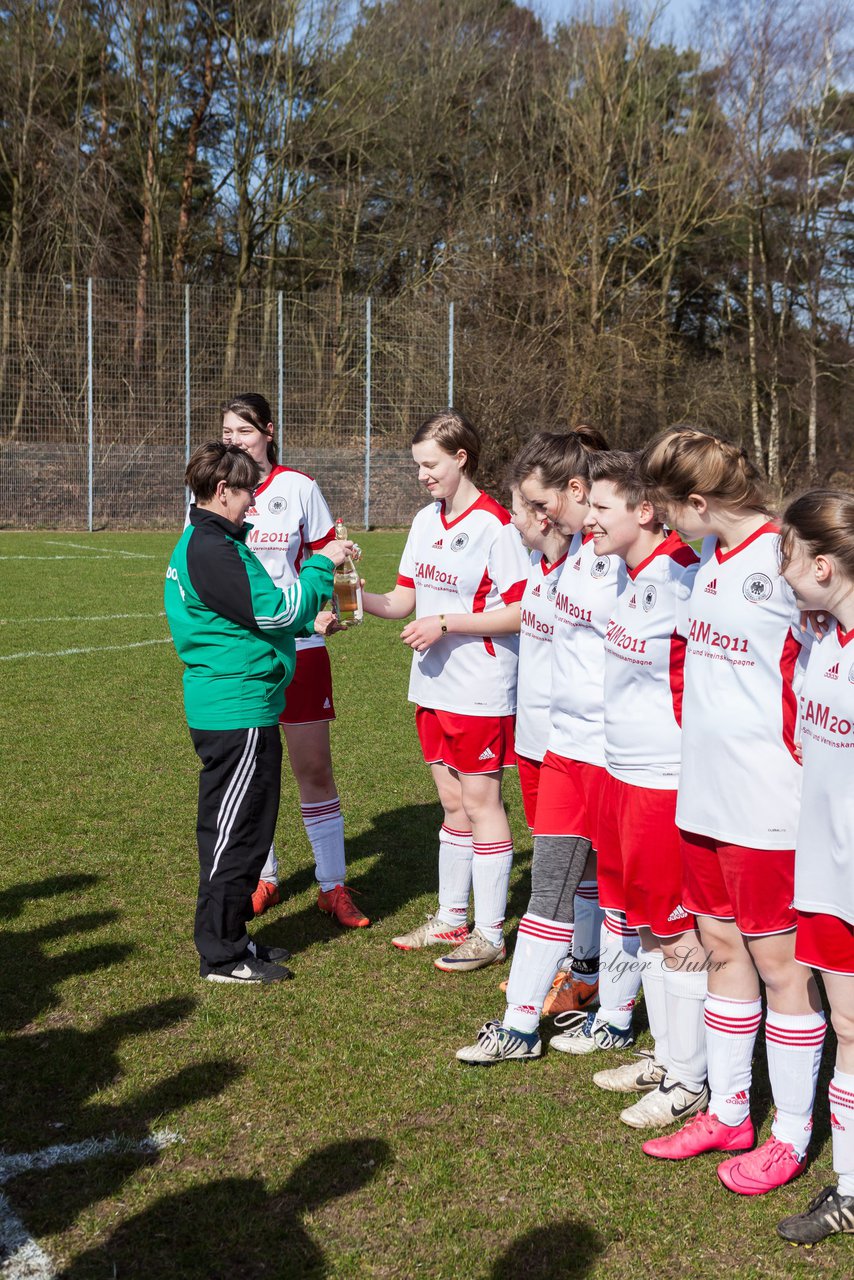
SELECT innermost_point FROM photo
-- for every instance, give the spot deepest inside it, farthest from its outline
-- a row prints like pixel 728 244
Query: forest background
pixel 633 234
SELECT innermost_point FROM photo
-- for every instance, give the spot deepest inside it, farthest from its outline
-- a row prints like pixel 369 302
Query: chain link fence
pixel 105 391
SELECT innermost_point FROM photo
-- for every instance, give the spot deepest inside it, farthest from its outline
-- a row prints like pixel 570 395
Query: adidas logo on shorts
pixel 678 913
pixel 437 545
pixel 326 704
pixel 488 754
pixel 832 673
pixel 712 588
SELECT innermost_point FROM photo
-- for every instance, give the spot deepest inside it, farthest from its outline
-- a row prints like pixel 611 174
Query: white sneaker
pixel 582 1038
pixel 668 1104
pixel 433 933
pixel 632 1077
pixel 475 953
pixel 497 1043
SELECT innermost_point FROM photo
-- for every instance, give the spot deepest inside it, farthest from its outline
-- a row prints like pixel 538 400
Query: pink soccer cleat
pixel 703 1132
pixel 770 1165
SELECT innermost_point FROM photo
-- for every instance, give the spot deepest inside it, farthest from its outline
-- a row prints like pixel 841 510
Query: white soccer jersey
pixel 583 604
pixel 644 659
pixel 741 780
pixel 534 687
pixel 824 864
pixel 468 565
pixel 290 520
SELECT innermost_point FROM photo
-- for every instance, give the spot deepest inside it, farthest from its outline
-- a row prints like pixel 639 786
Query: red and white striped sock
pixel 841 1095
pixel 490 878
pixel 619 971
pixel 588 926
pixel 324 827
pixel 455 856
pixel 540 946
pixel 731 1027
pixel 794 1042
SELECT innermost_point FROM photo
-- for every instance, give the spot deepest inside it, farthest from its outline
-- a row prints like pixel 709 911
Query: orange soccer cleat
pixel 339 904
pixel 265 896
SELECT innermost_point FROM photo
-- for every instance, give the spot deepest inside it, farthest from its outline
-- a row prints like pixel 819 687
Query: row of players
pixel 657 714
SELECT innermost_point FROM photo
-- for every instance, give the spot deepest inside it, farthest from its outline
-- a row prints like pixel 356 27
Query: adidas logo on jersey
pixel 678 913
pixel 633 603
pixel 712 588
pixel 577 564
pixel 832 673
pixel 437 545
pixel 488 754
pixel 536 591
pixel 326 704
pixel 836 1124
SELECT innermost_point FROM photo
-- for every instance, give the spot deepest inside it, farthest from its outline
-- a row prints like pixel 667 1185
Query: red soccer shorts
pixel 529 781
pixel 308 698
pixel 569 798
pixel 469 744
pixel 825 942
pixel 753 887
pixel 640 863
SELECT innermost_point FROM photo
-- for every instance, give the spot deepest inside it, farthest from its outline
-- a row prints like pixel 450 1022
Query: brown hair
pixel 557 457
pixel 621 467
pixel 452 431
pixel 685 460
pixel 217 461
pixel 823 520
pixel 254 409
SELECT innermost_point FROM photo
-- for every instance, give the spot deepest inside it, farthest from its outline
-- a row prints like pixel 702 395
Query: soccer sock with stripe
pixel 841 1095
pixel 270 871
pixel 652 980
pixel 588 926
pixel 619 971
pixel 794 1042
pixel 731 1027
pixel 455 861
pixel 490 879
pixel 324 827
pixel 540 946
pixel 684 1001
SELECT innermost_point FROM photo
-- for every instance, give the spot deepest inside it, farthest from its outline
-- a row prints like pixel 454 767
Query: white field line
pixel 22 1258
pixel 68 653
pixel 113 551
pixel 98 557
pixel 103 617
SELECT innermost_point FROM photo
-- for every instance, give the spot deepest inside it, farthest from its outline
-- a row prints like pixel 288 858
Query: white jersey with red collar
pixel 644 658
pixel 824 863
pixel 290 520
pixel 583 604
pixel 534 688
pixel 741 780
pixel 468 565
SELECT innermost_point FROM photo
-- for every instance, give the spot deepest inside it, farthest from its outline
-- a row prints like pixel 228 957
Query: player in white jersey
pixel 640 865
pixel 737 810
pixel 818 563
pixel 463 572
pixel 290 520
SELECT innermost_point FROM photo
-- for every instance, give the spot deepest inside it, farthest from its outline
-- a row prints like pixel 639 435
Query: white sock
pixel 490 878
pixel 588 926
pixel 652 980
pixel 794 1042
pixel 731 1027
pixel 619 971
pixel 270 871
pixel 841 1095
pixel 684 1000
pixel 455 858
pixel 324 827
pixel 540 946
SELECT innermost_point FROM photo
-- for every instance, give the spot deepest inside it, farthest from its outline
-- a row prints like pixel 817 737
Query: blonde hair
pixel 685 460
pixel 823 520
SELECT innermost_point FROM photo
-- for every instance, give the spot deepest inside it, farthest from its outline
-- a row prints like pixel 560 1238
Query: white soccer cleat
pixel 585 1037
pixel 632 1077
pixel 475 953
pixel 666 1105
pixel 433 933
pixel 497 1043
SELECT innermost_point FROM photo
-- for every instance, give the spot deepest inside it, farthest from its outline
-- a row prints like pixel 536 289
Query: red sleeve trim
pixel 319 543
pixel 678 645
pixel 514 594
pixel 403 581
pixel 788 659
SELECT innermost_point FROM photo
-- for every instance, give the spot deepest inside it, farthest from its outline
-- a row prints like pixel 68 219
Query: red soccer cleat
pixel 265 897
pixel 768 1166
pixel 703 1132
pixel 339 904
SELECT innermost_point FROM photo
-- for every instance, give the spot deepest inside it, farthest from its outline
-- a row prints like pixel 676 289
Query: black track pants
pixel 239 790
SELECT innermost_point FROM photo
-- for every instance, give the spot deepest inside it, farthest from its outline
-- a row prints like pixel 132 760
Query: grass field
pixel 326 1129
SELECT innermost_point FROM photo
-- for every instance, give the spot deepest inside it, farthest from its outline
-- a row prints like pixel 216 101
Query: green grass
pixel 327 1129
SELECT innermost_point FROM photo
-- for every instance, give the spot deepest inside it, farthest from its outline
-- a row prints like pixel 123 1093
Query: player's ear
pixel 576 490
pixel 823 569
pixel 698 503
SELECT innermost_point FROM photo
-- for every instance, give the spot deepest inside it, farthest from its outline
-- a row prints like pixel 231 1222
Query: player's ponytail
pixel 557 458
pixel 255 409
pixel 685 460
pixel 823 521
pixel 452 431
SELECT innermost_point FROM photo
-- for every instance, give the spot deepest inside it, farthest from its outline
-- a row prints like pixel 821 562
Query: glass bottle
pixel 347 587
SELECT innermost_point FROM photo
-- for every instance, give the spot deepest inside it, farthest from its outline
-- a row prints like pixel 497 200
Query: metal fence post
pixel 90 405
pixel 450 354
pixel 281 336
pixel 367 412
pixel 186 385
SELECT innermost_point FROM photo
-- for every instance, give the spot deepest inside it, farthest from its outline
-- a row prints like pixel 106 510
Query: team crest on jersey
pixel 851 674
pixel 649 598
pixel 276 506
pixel 757 587
pixel 600 567
pixel 460 541
pixel 552 592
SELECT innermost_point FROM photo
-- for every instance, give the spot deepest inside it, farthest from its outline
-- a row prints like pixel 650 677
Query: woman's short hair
pixel 216 461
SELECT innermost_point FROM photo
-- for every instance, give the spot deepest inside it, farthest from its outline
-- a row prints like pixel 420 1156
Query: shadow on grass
pixel 15 898
pixel 236 1226
pixel 566 1249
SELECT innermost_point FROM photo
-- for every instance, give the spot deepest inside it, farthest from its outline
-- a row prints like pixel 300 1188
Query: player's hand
pixel 819 621
pixel 421 633
pixel 338 550
pixel 326 623
pixel 799 752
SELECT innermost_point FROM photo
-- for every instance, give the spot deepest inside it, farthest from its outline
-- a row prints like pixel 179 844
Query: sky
pixel 676 16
